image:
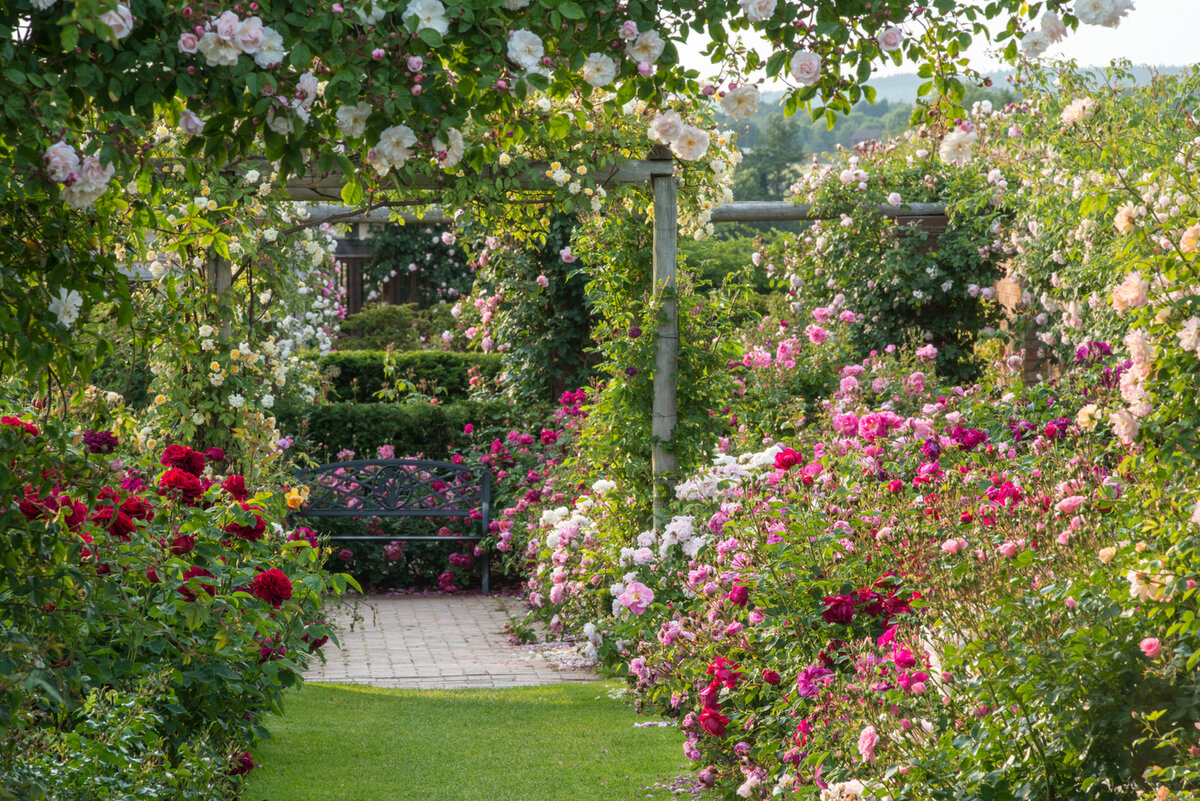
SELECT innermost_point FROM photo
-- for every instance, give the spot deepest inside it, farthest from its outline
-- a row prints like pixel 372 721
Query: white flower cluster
pixel 222 41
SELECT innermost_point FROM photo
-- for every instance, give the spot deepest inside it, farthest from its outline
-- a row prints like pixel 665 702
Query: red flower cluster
pixel 28 428
pixel 273 586
pixel 183 483
pixel 725 672
pixel 184 458
pixel 236 486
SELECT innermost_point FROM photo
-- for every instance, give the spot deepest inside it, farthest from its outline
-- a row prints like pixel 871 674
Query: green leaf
pixel 571 11
pixel 430 37
pixel 352 193
pixel 559 126
pixel 69 37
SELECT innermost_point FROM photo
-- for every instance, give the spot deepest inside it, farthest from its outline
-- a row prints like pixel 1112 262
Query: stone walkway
pixel 436 642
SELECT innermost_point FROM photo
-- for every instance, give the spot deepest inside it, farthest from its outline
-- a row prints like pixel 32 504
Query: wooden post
pixel 663 461
pixel 218 274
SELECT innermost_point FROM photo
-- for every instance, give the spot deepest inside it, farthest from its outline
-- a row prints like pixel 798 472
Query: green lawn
pixel 563 742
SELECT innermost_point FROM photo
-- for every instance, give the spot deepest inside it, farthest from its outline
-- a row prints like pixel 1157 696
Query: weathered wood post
pixel 218 274
pixel 663 459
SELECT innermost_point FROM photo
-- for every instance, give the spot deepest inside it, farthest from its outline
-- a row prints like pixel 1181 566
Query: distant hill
pixel 902 88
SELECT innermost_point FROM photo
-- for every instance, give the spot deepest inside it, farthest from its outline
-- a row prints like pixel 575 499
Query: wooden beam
pixel 329 187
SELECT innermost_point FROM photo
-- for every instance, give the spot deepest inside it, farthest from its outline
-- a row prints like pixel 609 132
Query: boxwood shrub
pixel 355 376
pixel 435 430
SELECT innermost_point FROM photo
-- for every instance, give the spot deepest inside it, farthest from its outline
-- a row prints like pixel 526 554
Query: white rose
pixel 758 10
pixel 599 70
pixel 741 103
pixel 665 126
pixel 393 150
pixel 190 123
pixel 352 120
pixel 430 14
pixel 1078 110
pixel 690 144
pixel 91 182
pixel 452 148
pixel 61 161
pixel 369 13
pixel 66 306
pixel 280 123
pixel 514 5
pixel 249 36
pixel 647 47
pixel 271 53
pixel 956 147
pixel 218 52
pixel 236 401
pixel 1033 44
pixel 806 67
pixel 891 39
pixel 525 49
pixel 1095 12
pixel 120 21
pixel 1053 28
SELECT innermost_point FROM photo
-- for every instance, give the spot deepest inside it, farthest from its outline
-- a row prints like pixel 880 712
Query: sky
pixel 1156 32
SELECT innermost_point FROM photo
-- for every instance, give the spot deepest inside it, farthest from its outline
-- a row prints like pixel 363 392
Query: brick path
pixel 436 642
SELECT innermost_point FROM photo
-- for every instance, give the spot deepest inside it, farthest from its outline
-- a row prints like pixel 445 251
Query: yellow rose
pixel 1107 555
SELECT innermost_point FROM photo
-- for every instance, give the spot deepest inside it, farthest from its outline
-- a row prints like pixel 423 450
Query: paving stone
pixel 433 642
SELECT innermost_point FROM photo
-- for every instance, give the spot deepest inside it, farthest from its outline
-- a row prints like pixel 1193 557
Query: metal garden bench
pixel 399 488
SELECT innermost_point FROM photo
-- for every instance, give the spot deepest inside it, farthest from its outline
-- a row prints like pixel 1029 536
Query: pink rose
pixel 1151 647
pixel 120 21
pixel 637 597
pixel 190 123
pixel 1068 506
pixel 954 545
pixel 1008 550
pixel 227 26
pixel 249 36
pixel 891 39
pixel 415 63
pixel 567 256
pixel 61 161
pixel 866 743
pixel 188 43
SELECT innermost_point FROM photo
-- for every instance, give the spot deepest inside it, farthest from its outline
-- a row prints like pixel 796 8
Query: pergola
pixel 658 169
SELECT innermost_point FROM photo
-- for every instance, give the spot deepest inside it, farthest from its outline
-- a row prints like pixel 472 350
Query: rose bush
pixel 157 592
pixel 906 600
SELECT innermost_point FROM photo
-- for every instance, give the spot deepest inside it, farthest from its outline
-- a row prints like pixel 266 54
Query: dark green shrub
pixel 355 376
pixel 433 430
pixel 402 327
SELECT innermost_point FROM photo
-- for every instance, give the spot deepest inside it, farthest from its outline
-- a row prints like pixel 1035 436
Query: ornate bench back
pixel 395 488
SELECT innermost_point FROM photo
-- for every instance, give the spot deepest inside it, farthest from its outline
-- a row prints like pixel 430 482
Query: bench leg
pixel 487 559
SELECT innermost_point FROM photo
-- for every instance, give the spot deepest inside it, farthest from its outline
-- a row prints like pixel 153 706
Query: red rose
pixel 194 463
pixel 138 508
pixel 242 764
pixel 193 572
pixel 184 484
pixel 838 609
pixel 725 671
pixel 152 574
pixel 174 456
pixel 183 544
pixel 770 677
pixel 214 454
pixel 253 531
pixel 739 595
pixel 273 586
pixel 713 722
pixel 236 486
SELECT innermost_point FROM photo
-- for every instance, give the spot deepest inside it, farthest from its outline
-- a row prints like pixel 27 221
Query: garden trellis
pixel 659 170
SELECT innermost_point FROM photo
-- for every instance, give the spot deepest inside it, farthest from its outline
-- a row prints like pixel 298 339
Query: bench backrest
pixel 395 488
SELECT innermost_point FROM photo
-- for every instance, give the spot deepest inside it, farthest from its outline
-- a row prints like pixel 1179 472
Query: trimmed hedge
pixel 355 376
pixel 434 430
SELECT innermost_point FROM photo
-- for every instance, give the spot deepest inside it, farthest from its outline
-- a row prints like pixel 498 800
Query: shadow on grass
pixel 563 742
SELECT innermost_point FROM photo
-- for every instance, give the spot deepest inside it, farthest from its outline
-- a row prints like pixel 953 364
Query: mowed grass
pixel 562 742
